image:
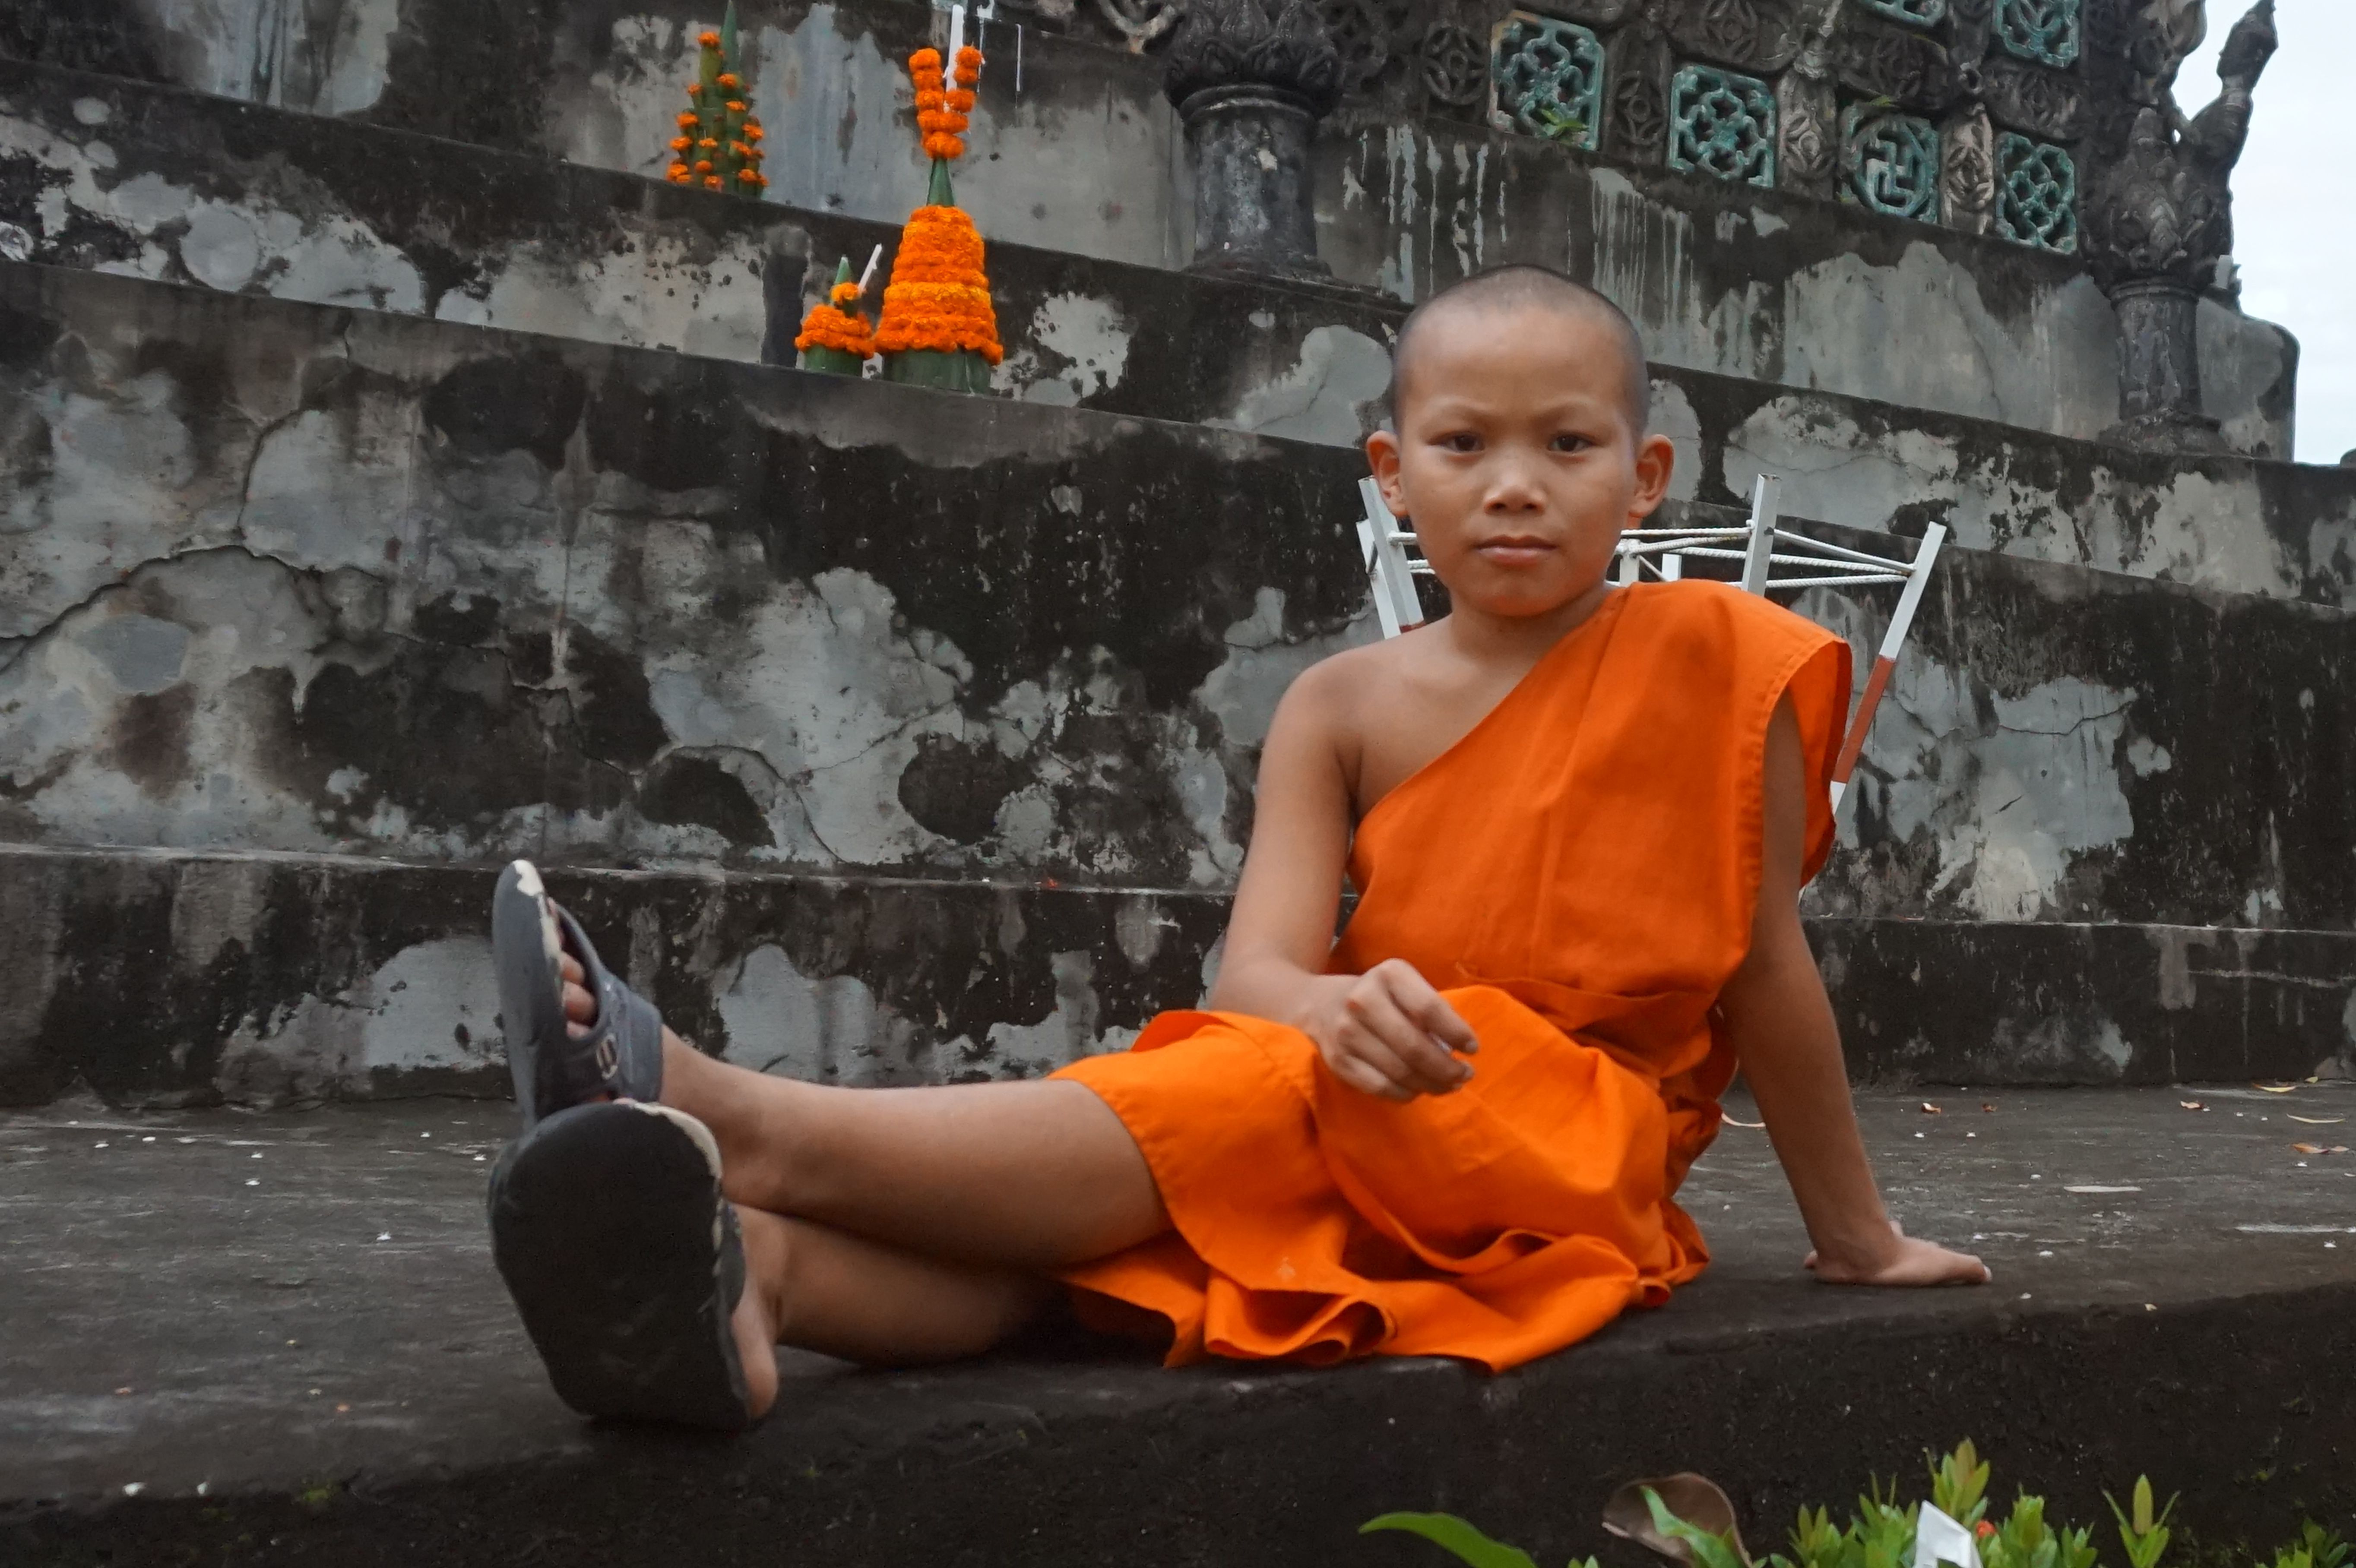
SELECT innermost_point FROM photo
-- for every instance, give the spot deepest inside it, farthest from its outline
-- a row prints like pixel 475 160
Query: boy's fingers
pixel 1369 1051
pixel 1426 1065
pixel 1366 1078
pixel 1430 1010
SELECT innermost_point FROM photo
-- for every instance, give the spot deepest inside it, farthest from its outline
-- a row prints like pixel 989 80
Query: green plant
pixel 1707 1551
pixel 2144 1536
pixel 2315 1548
pixel 1557 123
pixel 1468 1543
pixel 1959 1485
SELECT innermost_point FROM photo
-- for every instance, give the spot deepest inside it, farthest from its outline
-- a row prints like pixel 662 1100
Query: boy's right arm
pixel 1386 1031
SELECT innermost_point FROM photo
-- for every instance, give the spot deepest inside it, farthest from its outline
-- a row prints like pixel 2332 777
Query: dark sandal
pixel 619 1058
pixel 609 1225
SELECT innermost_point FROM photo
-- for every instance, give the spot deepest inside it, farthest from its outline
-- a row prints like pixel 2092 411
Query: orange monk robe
pixel 1579 874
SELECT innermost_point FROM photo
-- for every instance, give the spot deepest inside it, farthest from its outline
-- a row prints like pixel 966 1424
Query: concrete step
pixel 305 1358
pixel 160 979
pixel 204 190
pixel 1086 157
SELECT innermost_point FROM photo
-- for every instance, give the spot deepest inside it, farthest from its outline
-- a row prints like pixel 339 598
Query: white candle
pixel 869 275
pixel 956 34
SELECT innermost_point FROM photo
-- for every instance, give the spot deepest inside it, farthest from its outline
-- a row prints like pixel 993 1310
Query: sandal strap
pixel 621 1053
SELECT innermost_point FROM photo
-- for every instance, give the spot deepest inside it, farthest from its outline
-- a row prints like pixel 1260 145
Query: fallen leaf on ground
pixel 2317 1121
pixel 2276 1088
pixel 2308 1148
pixel 2193 1105
pixel 1987 1105
pixel 1930 1109
pixel 1730 1122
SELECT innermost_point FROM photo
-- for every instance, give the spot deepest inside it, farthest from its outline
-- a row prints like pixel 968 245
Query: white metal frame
pixel 1760 545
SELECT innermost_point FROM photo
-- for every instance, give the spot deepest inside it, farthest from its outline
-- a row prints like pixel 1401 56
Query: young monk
pixel 1578 818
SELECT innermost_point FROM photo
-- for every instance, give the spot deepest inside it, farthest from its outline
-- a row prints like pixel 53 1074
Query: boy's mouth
pixel 1513 550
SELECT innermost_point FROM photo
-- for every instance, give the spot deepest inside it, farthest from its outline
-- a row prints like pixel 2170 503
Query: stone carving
pixel 1366 34
pixel 1896 63
pixel 1141 22
pixel 1596 12
pixel 1549 78
pixel 1638 126
pixel 1758 35
pixel 1808 106
pixel 1280 43
pixel 2159 222
pixel 1921 13
pixel 1890 162
pixel 2028 99
pixel 2037 194
pixel 1723 123
pixel 1454 66
pixel 2042 30
pixel 1967 175
pixel 1250 81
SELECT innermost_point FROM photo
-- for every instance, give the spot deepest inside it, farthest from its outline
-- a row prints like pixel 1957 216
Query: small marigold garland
pixel 836 322
pixel 938 298
pixel 719 144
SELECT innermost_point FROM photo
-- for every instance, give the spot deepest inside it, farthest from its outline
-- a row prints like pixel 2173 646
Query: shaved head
pixel 1519 286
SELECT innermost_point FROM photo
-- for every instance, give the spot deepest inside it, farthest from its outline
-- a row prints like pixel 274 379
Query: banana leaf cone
pixel 947 370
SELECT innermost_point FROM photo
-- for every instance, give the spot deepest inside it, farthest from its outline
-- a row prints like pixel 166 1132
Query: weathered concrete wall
pixel 157 183
pixel 1085 159
pixel 282 578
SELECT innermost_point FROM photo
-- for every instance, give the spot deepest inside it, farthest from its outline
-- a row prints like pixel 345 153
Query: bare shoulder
pixel 1335 694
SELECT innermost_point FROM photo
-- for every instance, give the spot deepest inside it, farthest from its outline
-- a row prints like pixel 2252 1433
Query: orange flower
pixel 753 130
pixel 703 165
pixel 678 173
pixel 708 144
pixel 746 177
pixel 844 293
pixel 925 60
pixel 969 66
pixel 735 106
pixel 709 39
pixel 711 181
pixel 959 99
pixel 727 79
pixel 938 297
pixel 681 143
pixel 827 327
pixel 944 146
pixel 687 121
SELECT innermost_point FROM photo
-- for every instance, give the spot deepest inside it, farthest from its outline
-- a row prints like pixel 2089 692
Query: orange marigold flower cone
pixel 835 337
pixel 719 136
pixel 938 328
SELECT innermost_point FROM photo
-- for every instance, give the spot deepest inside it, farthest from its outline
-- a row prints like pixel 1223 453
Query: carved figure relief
pixel 1890 163
pixel 1967 175
pixel 2045 31
pixel 1142 21
pixel 1723 125
pixel 2037 194
pixel 1805 110
pixel 2028 99
pixel 1549 78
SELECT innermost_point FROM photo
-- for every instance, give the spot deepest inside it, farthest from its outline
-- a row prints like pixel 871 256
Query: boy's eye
pixel 1460 441
pixel 1567 442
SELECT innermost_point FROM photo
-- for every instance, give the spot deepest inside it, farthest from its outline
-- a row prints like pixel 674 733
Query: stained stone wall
pixel 938 743
pixel 1083 158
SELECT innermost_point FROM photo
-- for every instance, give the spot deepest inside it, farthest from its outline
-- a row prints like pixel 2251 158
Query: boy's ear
pixel 1383 459
pixel 1656 461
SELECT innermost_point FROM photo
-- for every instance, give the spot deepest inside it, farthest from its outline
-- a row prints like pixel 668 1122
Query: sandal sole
pixel 609 1225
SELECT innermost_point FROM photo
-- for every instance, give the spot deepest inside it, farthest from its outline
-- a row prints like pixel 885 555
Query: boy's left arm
pixel 1782 1029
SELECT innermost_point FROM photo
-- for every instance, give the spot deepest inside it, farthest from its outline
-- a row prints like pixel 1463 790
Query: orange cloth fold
pixel 1579 874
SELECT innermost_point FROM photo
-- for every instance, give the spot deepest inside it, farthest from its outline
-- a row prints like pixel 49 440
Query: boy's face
pixel 1515 455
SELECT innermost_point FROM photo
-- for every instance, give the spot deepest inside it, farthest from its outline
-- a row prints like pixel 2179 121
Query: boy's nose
pixel 1513 488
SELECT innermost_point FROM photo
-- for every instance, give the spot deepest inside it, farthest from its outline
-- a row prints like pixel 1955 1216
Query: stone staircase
pixel 397 480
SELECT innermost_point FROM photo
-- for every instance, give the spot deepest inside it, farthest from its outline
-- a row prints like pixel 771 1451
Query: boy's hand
pixel 1903 1261
pixel 1388 1032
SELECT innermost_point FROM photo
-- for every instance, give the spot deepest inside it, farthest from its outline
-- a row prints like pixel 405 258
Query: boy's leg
pixel 1028 1176
pixel 844 1295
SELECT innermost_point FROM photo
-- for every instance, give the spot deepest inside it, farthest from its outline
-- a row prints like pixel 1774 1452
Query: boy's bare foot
pixel 1905 1262
pixel 759 1315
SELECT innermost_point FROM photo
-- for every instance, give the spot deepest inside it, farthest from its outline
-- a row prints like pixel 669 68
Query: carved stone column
pixel 1807 107
pixel 2159 219
pixel 1250 82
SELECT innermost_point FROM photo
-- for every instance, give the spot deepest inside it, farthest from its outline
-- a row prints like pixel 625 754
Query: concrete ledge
pixel 157 979
pixel 327 1354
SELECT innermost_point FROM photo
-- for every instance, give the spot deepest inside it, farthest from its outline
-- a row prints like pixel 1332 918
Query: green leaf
pixel 1708 1551
pixel 1446 1530
pixel 1959 1485
pixel 728 35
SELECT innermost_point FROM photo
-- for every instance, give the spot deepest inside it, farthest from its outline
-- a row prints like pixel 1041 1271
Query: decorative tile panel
pixel 2036 194
pixel 1921 13
pixel 1723 123
pixel 1890 163
pixel 1546 76
pixel 2045 31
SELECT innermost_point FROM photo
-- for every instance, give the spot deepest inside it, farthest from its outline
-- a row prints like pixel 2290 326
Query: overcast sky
pixel 2294 204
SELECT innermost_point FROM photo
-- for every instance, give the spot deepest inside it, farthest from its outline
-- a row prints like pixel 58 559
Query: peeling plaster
pixel 1324 398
